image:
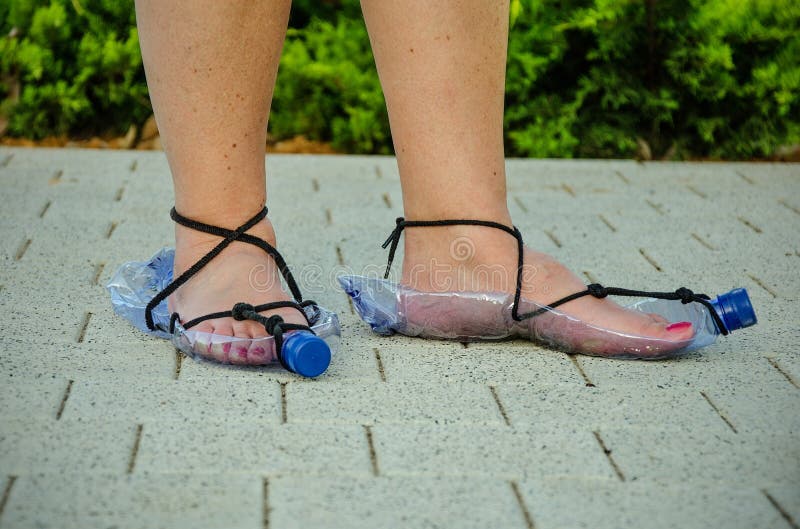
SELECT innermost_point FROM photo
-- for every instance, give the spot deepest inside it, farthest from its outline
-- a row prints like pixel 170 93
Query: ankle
pixel 459 258
pixel 189 243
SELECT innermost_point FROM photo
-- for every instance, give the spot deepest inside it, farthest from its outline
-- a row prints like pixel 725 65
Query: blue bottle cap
pixel 306 353
pixel 735 309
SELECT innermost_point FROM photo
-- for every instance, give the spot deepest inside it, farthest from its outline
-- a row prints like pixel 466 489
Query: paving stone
pixel 488 451
pixel 389 502
pixel 253 400
pixel 49 447
pixel 211 448
pixel 599 407
pixel 31 396
pixel 487 363
pixel 148 359
pixel 406 402
pixel 702 457
pixel 135 501
pixel 771 407
pixel 555 503
pixel 701 370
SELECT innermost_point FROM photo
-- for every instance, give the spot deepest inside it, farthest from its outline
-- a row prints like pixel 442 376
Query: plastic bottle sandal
pixel 466 316
pixel 139 292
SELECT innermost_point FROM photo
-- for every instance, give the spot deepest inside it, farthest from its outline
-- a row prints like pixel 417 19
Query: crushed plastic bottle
pixel 307 354
pixel 468 316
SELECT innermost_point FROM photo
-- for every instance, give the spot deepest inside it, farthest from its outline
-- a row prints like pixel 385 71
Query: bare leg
pixel 442 68
pixel 211 69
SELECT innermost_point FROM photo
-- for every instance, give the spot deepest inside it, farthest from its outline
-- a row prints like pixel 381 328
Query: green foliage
pixel 77 66
pixel 328 88
pixel 600 78
pixel 713 78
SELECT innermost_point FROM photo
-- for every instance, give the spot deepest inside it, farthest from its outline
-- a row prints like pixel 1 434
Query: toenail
pixel 675 327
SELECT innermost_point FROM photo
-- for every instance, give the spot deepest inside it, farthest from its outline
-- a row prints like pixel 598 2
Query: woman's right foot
pixel 242 272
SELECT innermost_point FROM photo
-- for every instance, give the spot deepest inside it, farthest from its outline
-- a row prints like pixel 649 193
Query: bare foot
pixel 481 259
pixel 240 273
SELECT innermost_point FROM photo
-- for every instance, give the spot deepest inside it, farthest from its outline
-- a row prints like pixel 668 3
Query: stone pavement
pixel 103 427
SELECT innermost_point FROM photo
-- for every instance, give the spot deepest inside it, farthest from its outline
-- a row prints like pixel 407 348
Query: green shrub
pixel 717 78
pixel 586 78
pixel 328 88
pixel 77 64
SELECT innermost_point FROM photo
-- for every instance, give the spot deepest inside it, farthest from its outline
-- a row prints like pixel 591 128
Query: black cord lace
pixel 274 325
pixel 596 290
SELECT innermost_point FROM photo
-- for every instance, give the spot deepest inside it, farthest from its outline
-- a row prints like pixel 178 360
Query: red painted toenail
pixel 679 326
pixel 258 351
pixel 226 347
pixel 242 352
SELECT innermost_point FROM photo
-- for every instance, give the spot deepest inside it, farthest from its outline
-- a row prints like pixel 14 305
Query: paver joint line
pixel 111 228
pixel 6 494
pixel 746 178
pixel 500 407
pixel 266 509
pixel 22 249
pixel 586 380
pixel 284 411
pixel 607 453
pixel 719 412
pixel 650 260
pixel 655 206
pixel 64 400
pixel 553 238
pixel 521 502
pixel 97 273
pixel 607 222
pixel 178 364
pixel 373 455
pixel 788 377
pixel 788 206
pixel 703 241
pixel 135 450
pixel 379 362
pixel 749 224
pixel 44 209
pixel 783 512
pixel 763 285
pixel 84 326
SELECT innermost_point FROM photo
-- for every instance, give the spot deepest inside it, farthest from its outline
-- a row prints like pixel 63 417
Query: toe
pixel 679 331
pixel 243 329
pixel 222 327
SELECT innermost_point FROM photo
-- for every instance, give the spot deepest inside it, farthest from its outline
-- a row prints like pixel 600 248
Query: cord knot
pixel 685 295
pixel 394 240
pixel 273 324
pixel 240 311
pixel 597 290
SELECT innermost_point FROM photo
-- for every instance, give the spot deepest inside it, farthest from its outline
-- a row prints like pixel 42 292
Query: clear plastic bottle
pixel 734 309
pixel 469 316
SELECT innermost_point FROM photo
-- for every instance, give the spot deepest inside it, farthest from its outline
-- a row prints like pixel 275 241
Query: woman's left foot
pixel 483 259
